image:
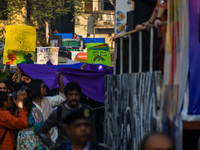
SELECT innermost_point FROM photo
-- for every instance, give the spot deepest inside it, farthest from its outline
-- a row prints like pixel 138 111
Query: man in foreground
pixel 79 129
pixel 73 94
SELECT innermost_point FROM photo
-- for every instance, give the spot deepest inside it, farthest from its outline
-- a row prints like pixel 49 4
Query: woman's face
pixel 43 89
pixel 3 87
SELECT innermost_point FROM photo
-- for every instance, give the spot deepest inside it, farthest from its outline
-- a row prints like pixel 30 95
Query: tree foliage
pixel 36 12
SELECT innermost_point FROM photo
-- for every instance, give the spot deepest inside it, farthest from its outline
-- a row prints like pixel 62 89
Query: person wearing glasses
pixel 39 107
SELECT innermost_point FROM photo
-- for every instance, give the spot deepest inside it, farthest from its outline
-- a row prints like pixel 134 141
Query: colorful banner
pixel 19 44
pixel 98 53
pixel 194 72
pixel 176 67
pixel 45 54
pixel 122 7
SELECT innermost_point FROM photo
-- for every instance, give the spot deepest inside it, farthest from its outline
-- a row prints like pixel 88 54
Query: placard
pixel 19 44
pixel 45 54
pixel 122 7
pixel 98 53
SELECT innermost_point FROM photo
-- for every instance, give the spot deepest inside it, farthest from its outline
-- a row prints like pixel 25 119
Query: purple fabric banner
pixel 194 71
pixel 91 82
pixel 91 78
pixel 45 73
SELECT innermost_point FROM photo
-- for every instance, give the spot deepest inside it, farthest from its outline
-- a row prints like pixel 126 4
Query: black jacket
pixel 55 120
pixel 94 146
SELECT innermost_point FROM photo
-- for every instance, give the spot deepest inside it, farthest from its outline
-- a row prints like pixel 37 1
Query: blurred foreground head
pixel 157 141
pixel 79 125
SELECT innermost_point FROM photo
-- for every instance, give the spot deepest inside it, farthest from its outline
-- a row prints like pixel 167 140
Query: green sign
pixel 98 53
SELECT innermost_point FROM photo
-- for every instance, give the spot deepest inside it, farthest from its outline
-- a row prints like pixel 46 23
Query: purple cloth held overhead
pixel 91 78
pixel 45 73
pixel 92 82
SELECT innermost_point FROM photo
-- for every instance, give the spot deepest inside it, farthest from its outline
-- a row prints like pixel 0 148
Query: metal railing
pixel 129 34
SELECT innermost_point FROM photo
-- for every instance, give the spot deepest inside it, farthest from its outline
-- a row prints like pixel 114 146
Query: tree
pixel 42 13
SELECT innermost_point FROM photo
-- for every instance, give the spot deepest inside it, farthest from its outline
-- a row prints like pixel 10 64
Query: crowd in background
pixel 27 121
pixel 36 118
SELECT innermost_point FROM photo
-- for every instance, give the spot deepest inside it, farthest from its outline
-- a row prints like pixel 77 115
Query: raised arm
pixel 9 121
pixel 61 84
pixel 58 99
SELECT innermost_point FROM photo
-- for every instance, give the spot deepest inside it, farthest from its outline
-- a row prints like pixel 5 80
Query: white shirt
pixel 46 109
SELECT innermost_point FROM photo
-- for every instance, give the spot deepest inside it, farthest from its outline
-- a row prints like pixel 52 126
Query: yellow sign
pixel 19 45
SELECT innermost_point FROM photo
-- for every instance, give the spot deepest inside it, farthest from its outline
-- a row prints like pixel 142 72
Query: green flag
pixel 98 53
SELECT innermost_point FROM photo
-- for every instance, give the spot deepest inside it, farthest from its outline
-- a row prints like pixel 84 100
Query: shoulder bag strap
pixel 3 137
pixel 59 113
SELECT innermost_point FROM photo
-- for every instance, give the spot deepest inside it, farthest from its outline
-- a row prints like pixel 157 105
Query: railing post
pixel 151 49
pixel 121 55
pixel 115 58
pixel 140 51
pixel 130 53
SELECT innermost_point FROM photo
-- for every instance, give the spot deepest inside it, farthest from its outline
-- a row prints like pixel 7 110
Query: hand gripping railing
pixel 140 48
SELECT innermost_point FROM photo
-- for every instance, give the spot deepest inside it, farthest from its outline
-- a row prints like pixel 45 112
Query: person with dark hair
pixel 3 86
pixel 73 94
pixel 79 128
pixel 157 141
pixel 39 107
pixel 8 122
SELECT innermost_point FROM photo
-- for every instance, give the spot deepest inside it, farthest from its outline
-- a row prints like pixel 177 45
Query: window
pixel 108 5
pixel 88 6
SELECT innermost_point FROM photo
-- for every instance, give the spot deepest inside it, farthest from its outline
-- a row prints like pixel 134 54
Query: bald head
pixel 157 141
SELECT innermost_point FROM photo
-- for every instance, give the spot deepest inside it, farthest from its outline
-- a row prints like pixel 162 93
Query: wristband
pixel 158 18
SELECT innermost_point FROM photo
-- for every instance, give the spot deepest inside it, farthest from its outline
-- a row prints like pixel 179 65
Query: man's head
pixel 3 87
pixel 5 101
pixel 157 141
pixel 73 94
pixel 79 126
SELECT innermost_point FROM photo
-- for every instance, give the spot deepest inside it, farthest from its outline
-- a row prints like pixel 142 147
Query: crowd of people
pixel 33 119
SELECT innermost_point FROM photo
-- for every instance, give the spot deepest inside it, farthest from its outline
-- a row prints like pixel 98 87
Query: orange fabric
pixel 7 120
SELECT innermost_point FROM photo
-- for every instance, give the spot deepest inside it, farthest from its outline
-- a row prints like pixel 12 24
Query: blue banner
pixel 194 71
